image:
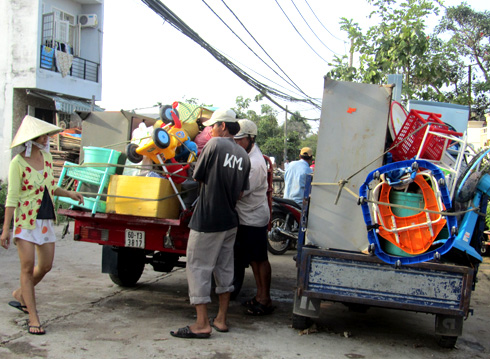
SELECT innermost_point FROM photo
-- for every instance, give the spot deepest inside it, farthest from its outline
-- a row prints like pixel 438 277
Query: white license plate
pixel 134 239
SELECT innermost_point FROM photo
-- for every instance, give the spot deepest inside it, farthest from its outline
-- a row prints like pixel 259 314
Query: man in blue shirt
pixel 295 176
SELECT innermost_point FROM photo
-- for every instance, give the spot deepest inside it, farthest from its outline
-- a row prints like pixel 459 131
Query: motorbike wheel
pixel 277 243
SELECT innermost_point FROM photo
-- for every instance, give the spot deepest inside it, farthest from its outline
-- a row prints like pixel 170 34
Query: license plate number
pixel 134 239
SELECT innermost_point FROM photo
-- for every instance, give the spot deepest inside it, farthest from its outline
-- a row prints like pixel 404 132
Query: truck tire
pixel 278 244
pixel 300 322
pixel 445 341
pixel 130 266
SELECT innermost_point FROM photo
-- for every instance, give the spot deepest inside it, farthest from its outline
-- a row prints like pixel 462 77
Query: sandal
pixel 258 309
pixel 17 305
pixel 38 330
pixel 187 333
pixel 250 303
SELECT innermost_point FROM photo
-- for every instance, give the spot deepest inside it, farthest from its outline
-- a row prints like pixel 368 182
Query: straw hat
pixel 31 128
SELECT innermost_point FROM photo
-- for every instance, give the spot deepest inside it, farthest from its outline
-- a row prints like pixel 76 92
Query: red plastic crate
pixel 409 143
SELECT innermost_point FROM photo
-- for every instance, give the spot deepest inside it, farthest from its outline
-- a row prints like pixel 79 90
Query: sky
pixel 147 61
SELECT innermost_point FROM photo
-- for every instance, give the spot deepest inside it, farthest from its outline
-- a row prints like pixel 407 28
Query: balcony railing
pixel 80 68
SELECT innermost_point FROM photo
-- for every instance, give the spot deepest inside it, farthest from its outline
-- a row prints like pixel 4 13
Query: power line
pixel 322 23
pixel 306 22
pixel 236 17
pixel 268 92
pixel 292 83
pixel 299 32
pixel 252 70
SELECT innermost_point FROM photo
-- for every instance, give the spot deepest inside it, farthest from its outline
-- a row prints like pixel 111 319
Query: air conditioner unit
pixel 87 20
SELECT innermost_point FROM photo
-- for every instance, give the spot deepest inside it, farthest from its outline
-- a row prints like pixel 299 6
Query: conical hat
pixel 31 128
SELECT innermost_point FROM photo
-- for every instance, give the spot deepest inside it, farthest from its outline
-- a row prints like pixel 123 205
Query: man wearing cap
pixel 295 176
pixel 222 169
pixel 254 214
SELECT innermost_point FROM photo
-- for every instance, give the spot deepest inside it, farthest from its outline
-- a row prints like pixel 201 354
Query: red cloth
pixel 202 138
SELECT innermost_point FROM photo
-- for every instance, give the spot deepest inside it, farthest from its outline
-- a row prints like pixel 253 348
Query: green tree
pixel 469 33
pixel 311 142
pixel 433 68
pixel 270 137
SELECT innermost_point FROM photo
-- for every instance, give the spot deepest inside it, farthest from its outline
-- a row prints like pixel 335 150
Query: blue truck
pixel 339 259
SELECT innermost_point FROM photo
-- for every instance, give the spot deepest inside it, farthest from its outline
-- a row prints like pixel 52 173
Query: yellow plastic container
pixel 142 188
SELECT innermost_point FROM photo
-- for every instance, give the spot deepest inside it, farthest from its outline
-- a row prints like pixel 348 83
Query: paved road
pixel 87 316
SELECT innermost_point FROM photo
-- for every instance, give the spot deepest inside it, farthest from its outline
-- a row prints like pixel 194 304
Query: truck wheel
pixel 445 341
pixel 300 322
pixel 130 266
pixel 276 242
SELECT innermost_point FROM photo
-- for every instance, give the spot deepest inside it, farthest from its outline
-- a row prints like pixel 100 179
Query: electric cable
pixel 248 32
pixel 267 91
pixel 306 22
pixel 252 70
pixel 322 23
pixel 287 17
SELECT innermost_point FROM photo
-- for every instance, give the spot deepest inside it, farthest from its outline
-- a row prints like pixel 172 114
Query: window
pixel 61 32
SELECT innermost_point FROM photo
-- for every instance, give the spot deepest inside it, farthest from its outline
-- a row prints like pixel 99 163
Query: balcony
pixel 80 68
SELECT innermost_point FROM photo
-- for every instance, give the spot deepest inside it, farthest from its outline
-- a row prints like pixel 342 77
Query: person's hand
pixel 77 197
pixel 5 239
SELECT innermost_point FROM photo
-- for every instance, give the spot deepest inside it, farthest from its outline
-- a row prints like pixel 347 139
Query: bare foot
pixel 218 326
pixel 18 296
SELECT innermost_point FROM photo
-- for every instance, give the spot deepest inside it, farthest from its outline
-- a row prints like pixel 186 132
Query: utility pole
pixel 286 136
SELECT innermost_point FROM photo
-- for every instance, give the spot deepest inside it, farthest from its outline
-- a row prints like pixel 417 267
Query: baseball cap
pixel 306 151
pixel 221 116
pixel 247 128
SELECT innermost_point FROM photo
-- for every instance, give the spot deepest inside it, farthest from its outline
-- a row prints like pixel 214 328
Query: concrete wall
pixel 20 41
pixel 19 22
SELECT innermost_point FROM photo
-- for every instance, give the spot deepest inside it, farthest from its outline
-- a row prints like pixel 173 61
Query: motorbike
pixel 284 225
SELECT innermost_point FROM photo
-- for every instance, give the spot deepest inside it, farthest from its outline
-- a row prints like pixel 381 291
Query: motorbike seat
pixel 286 201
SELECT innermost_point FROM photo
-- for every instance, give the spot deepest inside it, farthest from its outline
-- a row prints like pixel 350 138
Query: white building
pixel 478 133
pixel 50 64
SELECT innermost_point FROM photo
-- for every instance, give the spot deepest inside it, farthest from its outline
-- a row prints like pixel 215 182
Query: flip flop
pixel 250 303
pixel 40 329
pixel 186 333
pixel 15 304
pixel 258 309
pixel 211 322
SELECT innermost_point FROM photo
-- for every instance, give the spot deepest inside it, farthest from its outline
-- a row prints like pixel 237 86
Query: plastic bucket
pixel 101 155
pixel 407 199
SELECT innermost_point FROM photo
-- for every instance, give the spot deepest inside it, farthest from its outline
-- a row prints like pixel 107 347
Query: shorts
pixel 209 254
pixel 251 245
pixel 41 234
